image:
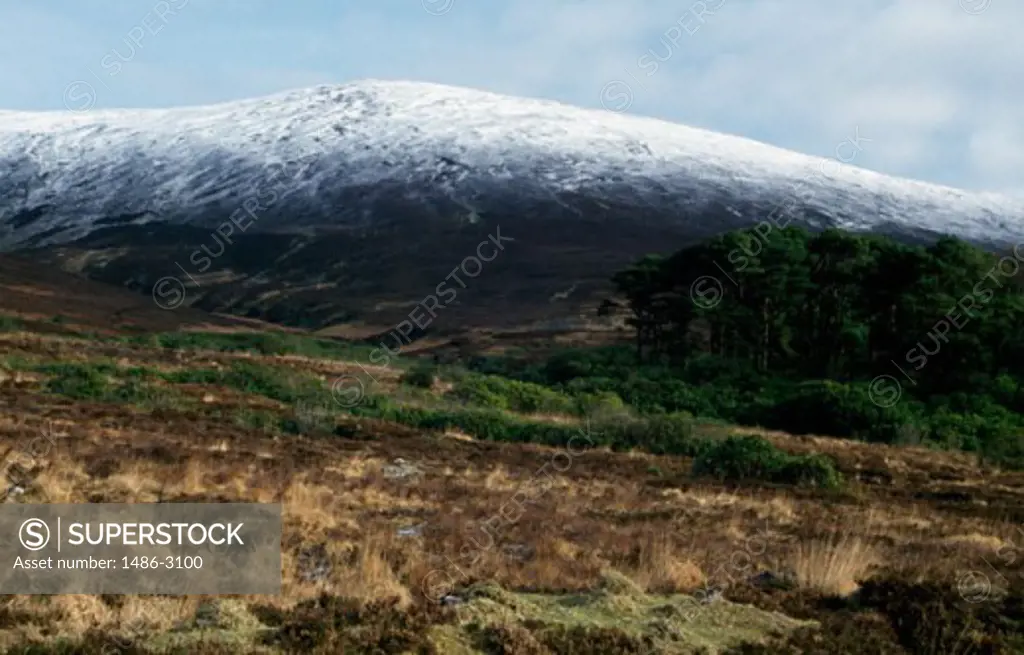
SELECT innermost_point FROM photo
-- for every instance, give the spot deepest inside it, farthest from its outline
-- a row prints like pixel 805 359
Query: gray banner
pixel 164 548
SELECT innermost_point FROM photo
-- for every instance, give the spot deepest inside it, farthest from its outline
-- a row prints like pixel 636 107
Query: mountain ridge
pixel 376 150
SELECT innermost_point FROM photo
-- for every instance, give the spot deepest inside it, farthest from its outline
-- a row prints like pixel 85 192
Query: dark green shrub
pixel 671 434
pixel 600 404
pixel 422 375
pixel 835 409
pixel 739 458
pixel 79 381
pixel 486 424
pixel 813 470
pixel 471 390
pixel 749 458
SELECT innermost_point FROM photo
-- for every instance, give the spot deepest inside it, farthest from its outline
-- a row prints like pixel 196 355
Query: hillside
pixel 618 551
pixel 38 293
pixel 338 204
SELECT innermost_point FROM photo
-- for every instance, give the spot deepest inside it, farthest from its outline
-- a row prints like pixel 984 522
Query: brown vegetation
pixel 391 545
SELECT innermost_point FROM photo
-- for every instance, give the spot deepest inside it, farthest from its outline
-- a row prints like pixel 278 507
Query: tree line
pixel 833 305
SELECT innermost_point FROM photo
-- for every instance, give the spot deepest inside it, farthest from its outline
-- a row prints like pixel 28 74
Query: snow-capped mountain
pixel 372 151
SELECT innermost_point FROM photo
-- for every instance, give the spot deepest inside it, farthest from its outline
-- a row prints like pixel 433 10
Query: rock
pixel 411 531
pixel 399 469
pixel 13 493
pixel 521 552
pixel 771 580
pixel 314 564
pixel 207 614
pixel 709 595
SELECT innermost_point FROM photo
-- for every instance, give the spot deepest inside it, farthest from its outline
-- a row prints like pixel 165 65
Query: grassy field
pixel 541 546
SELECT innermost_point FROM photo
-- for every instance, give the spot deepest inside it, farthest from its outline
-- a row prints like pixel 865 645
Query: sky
pixel 932 89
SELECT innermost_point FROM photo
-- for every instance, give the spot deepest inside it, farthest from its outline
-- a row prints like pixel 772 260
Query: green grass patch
pixel 106 383
pixel 616 618
pixel 277 383
pixel 667 434
pixel 497 392
pixel 10 324
pixel 259 420
pixel 262 343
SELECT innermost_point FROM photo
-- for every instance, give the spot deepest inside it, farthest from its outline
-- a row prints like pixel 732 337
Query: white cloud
pixel 939 91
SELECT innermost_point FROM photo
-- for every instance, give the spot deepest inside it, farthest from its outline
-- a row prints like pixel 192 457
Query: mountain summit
pixel 376 152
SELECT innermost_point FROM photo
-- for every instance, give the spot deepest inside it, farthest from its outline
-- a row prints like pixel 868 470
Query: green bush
pixel 79 381
pixel 281 384
pixel 481 423
pixel 513 395
pixel 813 470
pixel 739 458
pixel 744 458
pixel 568 365
pixel 422 374
pixel 669 434
pixel 835 409
pixel 600 404
pixel 987 420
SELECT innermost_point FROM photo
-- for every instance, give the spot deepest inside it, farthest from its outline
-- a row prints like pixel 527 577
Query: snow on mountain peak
pixel 62 172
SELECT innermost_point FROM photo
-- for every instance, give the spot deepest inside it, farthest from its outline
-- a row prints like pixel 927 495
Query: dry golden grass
pixel 558 530
pixel 983 542
pixel 310 507
pixel 371 576
pixel 458 435
pixel 660 568
pixel 834 566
